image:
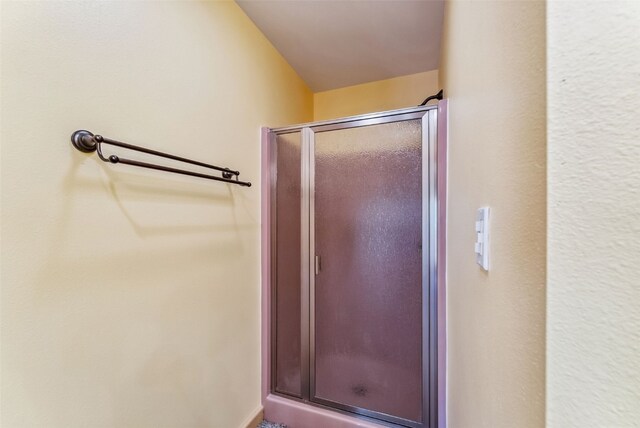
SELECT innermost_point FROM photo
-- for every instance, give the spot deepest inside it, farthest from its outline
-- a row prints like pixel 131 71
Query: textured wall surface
pixel 381 95
pixel 593 333
pixel 493 72
pixel 130 298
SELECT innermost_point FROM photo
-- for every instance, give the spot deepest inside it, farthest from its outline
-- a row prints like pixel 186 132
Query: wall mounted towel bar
pixel 87 142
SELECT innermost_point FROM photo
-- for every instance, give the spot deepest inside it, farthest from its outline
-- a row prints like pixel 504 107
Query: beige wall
pixel 399 92
pixel 493 72
pixel 130 298
pixel 593 304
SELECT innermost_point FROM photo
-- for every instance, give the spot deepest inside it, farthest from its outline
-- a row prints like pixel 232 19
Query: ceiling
pixel 332 44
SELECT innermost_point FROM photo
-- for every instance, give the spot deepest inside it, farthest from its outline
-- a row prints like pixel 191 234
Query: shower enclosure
pixel 352 207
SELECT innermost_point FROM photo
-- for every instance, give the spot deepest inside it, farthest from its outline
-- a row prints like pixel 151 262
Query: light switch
pixel 482 238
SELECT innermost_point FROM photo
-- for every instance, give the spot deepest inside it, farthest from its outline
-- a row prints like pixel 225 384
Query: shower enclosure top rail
pixel 367 116
pixel 87 142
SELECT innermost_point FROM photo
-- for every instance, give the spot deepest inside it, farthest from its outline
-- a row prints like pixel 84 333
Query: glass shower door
pixel 287 328
pixel 366 243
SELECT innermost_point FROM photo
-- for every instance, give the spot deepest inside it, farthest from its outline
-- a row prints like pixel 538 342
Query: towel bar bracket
pixel 83 141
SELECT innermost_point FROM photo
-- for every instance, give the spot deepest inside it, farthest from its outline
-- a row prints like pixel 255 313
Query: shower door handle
pixel 317 264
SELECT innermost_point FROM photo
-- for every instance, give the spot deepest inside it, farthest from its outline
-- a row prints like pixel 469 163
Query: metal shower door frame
pixel 428 116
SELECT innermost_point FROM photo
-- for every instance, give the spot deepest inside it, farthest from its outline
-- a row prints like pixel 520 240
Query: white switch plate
pixel 482 238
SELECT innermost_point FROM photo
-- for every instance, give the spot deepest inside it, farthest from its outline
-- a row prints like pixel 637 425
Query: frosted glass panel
pixel 287 296
pixel 368 292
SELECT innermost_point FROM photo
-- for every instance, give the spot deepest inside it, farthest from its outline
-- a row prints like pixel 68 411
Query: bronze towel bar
pixel 87 142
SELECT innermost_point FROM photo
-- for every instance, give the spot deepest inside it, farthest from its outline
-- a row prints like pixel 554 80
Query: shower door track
pixel 429 117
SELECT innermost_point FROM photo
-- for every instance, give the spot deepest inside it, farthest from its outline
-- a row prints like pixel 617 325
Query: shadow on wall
pixel 173 197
